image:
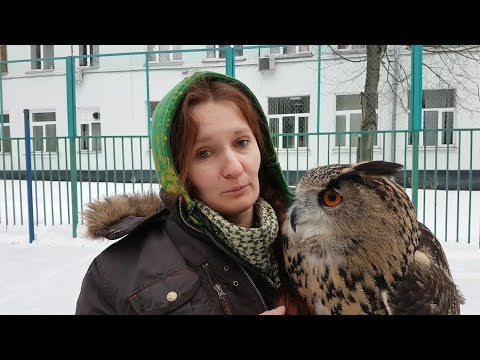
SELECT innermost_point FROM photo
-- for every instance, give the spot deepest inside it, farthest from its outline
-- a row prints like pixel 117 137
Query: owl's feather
pixel 366 254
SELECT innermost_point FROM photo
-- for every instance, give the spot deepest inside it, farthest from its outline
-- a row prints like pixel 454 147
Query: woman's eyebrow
pixel 206 138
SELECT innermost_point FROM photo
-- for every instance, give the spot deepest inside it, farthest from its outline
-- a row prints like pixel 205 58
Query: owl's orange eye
pixel 331 197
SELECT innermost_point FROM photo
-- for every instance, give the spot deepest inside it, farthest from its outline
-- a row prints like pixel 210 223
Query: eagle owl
pixel 354 246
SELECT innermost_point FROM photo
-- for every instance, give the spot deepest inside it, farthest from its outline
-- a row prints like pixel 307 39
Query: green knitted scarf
pixel 252 244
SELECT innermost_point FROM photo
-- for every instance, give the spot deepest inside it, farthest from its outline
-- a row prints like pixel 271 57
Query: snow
pixel 44 277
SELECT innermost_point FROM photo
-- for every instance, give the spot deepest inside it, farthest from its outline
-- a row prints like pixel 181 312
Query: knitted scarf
pixel 252 244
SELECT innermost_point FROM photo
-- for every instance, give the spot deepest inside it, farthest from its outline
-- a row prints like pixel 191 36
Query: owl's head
pixel 340 207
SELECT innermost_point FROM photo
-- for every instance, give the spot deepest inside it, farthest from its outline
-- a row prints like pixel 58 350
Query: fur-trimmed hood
pixel 115 216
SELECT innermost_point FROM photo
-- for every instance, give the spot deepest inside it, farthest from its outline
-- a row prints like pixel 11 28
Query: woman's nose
pixel 232 167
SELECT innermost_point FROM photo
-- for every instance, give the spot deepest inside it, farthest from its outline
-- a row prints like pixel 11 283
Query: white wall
pixel 118 89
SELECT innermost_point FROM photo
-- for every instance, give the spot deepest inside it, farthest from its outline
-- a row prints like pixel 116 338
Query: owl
pixel 353 245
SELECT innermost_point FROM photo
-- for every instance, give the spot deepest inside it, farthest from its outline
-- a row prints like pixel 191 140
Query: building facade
pixel 118 87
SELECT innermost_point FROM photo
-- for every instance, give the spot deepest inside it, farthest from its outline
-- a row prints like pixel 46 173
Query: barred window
pixel 289 115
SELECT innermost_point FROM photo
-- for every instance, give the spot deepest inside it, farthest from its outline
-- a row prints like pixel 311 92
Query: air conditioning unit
pixel 266 63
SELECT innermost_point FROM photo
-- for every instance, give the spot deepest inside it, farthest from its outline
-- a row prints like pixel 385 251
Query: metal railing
pixel 440 165
pixel 448 186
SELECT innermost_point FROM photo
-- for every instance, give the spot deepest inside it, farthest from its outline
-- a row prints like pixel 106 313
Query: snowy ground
pixel 45 277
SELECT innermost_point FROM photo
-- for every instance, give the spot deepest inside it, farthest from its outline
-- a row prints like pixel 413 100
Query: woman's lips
pixel 235 189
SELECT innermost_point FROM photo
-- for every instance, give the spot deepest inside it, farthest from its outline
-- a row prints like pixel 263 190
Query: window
pixel 88 50
pixel 164 57
pixel 351 47
pixel 289 50
pixel 3 57
pixel 43 128
pixel 438 112
pixel 6 143
pixel 90 126
pixel 289 115
pixel 348 117
pixel 42 51
pixel 221 54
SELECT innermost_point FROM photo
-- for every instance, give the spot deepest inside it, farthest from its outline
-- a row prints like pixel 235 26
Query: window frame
pixel 214 49
pixel 349 48
pixel 42 63
pixel 278 141
pixel 4 57
pixel 348 129
pixel 297 52
pixel 171 55
pixel 43 124
pixel 6 125
pixel 89 123
pixel 440 129
pixel 91 62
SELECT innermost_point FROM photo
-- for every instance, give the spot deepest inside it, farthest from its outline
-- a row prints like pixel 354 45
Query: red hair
pixel 185 130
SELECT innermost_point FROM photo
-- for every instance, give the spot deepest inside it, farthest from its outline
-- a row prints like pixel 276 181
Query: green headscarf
pixel 160 136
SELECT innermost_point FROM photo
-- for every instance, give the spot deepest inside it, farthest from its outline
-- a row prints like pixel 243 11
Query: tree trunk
pixel 368 101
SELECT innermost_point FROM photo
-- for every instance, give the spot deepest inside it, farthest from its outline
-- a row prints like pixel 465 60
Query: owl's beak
pixel 293 219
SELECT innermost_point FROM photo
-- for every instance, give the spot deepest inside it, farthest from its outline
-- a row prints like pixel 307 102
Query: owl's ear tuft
pixel 378 168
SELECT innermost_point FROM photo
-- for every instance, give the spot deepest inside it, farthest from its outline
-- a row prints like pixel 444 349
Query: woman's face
pixel 224 171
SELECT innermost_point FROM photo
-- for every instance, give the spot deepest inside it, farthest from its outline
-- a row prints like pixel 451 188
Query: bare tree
pixel 450 66
pixel 369 100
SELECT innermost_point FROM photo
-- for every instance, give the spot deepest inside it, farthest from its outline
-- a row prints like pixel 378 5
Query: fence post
pixel 2 134
pixel 28 158
pixel 319 68
pixel 147 84
pixel 416 116
pixel 149 116
pixel 230 61
pixel 72 134
pixel 1 100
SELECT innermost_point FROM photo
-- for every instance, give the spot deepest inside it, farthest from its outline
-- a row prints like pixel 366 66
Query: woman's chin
pixel 235 207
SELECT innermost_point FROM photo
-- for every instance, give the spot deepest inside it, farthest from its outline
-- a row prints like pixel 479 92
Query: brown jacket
pixel 164 265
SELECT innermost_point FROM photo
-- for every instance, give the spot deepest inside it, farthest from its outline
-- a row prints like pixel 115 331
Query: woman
pixel 210 244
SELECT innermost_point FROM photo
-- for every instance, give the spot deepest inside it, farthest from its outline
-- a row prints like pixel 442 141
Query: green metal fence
pixel 77 160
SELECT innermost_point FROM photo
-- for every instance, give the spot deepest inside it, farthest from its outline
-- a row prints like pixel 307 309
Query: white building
pixel 114 96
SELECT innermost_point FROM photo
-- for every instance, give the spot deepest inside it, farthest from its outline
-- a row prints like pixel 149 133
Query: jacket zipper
pixel 254 286
pixel 227 307
pixel 215 242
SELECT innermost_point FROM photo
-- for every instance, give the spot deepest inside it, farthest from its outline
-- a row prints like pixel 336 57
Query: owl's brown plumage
pixel 354 246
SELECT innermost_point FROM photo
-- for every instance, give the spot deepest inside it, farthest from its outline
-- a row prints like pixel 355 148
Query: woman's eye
pixel 203 154
pixel 243 143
